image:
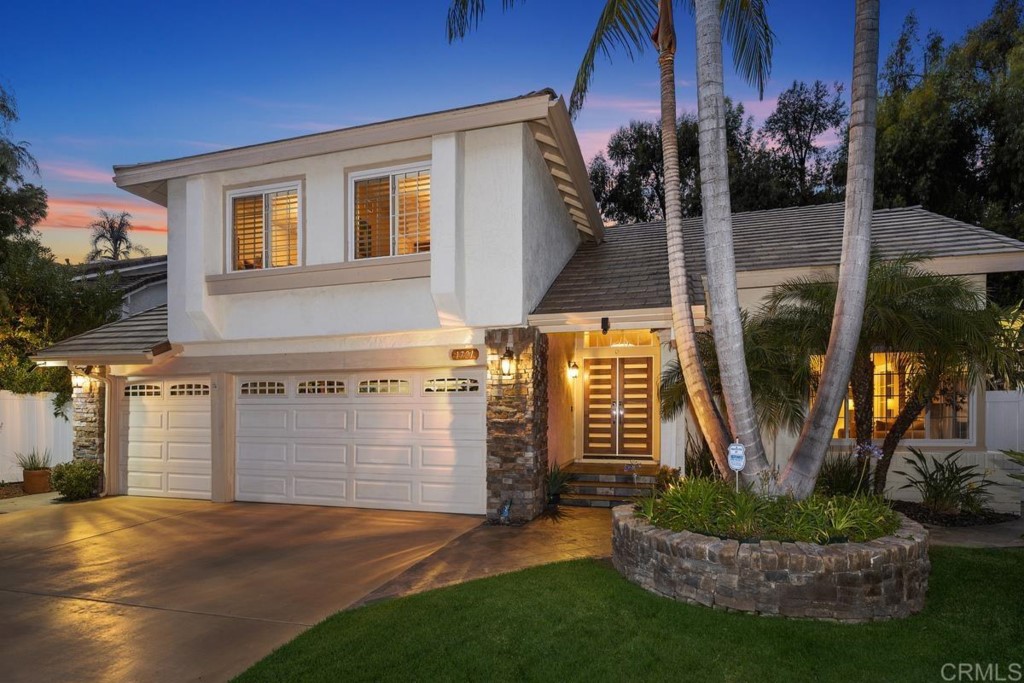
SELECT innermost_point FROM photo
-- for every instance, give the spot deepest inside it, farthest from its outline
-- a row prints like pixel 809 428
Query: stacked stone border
pixel 847 582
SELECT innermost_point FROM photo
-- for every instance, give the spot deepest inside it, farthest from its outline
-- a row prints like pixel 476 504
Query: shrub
pixel 77 479
pixel 558 480
pixel 844 474
pixel 947 487
pixel 33 460
pixel 1017 457
pixel 714 508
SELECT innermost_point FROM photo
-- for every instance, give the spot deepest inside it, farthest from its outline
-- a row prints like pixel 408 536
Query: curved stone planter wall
pixel 850 582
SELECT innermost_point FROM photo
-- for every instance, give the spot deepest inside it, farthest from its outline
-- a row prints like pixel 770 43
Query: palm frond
pixel 624 24
pixel 745 25
pixel 464 16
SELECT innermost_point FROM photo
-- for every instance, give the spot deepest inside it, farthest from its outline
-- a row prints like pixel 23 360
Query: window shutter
pixel 373 217
pixel 247 219
pixel 412 212
pixel 284 228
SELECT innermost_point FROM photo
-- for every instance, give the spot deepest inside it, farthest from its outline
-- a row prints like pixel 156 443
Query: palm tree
pixel 718 242
pixel 936 328
pixel 801 471
pixel 111 240
pixel 626 24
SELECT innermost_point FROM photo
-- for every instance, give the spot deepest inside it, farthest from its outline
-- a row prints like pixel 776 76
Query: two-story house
pixel 422 314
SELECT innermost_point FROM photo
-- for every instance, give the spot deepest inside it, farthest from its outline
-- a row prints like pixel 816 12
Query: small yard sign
pixel 737 459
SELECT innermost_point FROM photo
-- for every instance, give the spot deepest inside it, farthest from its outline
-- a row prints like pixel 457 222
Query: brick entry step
pixel 606 485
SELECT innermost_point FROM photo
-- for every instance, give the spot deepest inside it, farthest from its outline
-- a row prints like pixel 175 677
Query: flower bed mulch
pixel 919 513
pixel 11 490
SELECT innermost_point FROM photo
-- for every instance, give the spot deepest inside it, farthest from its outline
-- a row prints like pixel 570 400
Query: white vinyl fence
pixel 26 422
pixel 1004 420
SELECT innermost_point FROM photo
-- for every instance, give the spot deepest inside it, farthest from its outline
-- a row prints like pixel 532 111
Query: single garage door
pixel 165 437
pixel 397 440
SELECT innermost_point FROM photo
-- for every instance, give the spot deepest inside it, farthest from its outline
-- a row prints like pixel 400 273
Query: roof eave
pixel 149 180
pixel 159 352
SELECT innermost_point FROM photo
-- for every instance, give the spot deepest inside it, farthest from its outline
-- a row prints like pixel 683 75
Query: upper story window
pixel 391 212
pixel 264 227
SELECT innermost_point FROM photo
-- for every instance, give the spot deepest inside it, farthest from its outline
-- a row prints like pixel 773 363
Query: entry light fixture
pixel 508 363
pixel 78 381
pixel 574 370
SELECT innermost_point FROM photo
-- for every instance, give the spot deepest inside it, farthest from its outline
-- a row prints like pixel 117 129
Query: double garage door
pixel 395 440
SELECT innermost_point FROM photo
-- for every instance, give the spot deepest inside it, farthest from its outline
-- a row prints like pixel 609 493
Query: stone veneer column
pixel 517 423
pixel 88 420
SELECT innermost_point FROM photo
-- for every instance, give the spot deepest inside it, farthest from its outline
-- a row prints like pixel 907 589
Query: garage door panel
pixel 188 485
pixel 369 491
pixel 261 486
pixel 458 456
pixel 262 452
pixel 197 452
pixel 146 419
pixel 456 420
pixel 145 483
pixel 263 419
pixel 189 420
pixel 321 454
pixel 383 455
pixel 320 420
pixel 142 451
pixel 447 493
pixel 321 491
pixel 375 419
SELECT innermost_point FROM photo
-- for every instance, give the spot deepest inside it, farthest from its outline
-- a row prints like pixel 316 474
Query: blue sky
pixel 103 83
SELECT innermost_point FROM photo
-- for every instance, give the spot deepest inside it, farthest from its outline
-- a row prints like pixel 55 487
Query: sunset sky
pixel 109 83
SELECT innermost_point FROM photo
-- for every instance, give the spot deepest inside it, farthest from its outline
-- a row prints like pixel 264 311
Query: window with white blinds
pixel 265 227
pixel 391 212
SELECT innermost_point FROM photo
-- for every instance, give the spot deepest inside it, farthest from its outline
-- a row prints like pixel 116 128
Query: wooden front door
pixel 618 408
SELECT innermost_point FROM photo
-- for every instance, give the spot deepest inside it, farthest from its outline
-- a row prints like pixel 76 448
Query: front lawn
pixel 581 621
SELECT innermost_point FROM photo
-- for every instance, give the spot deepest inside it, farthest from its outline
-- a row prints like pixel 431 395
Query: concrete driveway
pixel 148 589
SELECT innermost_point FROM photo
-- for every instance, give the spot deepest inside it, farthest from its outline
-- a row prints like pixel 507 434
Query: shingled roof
pixel 137 338
pixel 629 270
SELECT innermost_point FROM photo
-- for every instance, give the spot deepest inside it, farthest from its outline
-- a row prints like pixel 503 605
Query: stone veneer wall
pixel 89 421
pixel 517 423
pixel 848 582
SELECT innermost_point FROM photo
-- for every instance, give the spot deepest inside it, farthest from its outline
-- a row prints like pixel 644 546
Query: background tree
pixel 22 204
pixel 949 128
pixel 111 238
pixel 803 114
pixel 40 301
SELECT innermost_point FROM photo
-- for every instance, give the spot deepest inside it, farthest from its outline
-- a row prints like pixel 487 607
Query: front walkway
pixel 570 533
pixel 1005 535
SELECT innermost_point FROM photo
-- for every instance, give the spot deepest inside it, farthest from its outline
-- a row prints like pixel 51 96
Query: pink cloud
pixel 77 171
pixel 760 109
pixel 593 141
pixel 79 212
pixel 633 106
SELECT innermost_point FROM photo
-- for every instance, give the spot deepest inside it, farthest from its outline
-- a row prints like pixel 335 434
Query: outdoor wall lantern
pixel 574 370
pixel 80 377
pixel 508 363
pixel 78 381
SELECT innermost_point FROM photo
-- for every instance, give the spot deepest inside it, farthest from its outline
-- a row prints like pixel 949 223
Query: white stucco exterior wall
pixel 500 235
pixel 549 236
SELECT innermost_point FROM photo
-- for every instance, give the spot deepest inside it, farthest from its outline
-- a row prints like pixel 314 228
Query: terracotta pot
pixel 36 481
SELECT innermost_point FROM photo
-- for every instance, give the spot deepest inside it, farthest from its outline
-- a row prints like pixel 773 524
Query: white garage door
pixel 396 440
pixel 166 438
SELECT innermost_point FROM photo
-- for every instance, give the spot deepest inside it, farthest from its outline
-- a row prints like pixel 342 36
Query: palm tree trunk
pixel 862 384
pixel 912 410
pixel 718 242
pixel 702 401
pixel 802 470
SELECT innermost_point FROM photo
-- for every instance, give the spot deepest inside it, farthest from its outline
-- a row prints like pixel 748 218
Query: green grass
pixel 581 621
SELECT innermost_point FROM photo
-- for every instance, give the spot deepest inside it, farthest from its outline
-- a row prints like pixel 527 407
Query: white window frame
pixel 380 172
pixel 970 441
pixel 229 225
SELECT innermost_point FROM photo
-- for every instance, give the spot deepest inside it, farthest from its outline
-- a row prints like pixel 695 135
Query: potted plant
pixel 36 468
pixel 558 483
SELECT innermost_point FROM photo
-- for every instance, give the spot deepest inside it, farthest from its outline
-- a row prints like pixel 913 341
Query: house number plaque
pixel 464 354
